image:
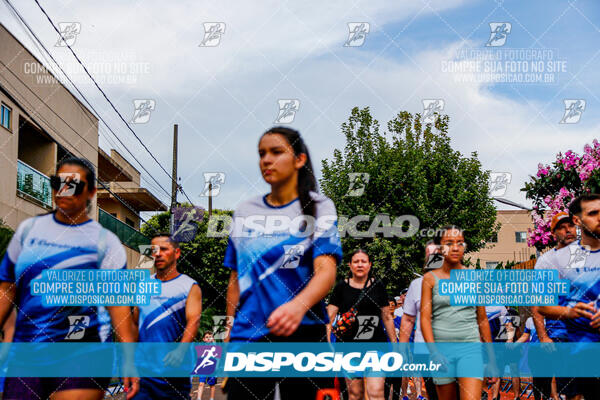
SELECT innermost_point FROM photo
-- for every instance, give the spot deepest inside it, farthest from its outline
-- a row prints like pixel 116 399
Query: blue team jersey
pixel 555 328
pixel 272 251
pixel 494 316
pixel 163 320
pixel 581 267
pixel 530 328
pixel 42 243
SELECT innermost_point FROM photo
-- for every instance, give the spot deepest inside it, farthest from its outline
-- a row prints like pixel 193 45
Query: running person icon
pixel 65 238
pixel 274 300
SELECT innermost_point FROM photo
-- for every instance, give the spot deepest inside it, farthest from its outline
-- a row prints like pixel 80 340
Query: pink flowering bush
pixel 556 185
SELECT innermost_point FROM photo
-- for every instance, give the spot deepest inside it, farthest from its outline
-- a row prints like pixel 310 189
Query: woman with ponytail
pixel 283 252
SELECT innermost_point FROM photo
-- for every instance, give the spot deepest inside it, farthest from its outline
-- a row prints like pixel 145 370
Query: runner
pixel 495 314
pixel 64 238
pixel 279 279
pixel 579 262
pixel 412 312
pixel 539 387
pixel 439 320
pixel 368 297
pixel 552 330
pixel 211 381
pixel 172 316
pixel 507 358
pixel 395 384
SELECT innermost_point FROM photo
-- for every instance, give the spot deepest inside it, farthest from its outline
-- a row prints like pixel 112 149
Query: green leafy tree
pixel 201 259
pixel 6 233
pixel 412 170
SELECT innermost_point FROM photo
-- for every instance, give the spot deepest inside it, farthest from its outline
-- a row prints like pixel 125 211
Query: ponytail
pixel 306 178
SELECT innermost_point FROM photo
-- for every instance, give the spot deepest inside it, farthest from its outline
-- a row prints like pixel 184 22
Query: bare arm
pixel 233 298
pixel 8 293
pixel 540 327
pixel 426 309
pixel 193 312
pixel 561 312
pixel 285 319
pixel 484 325
pixel 331 312
pixel 388 322
pixel 406 326
pixel 135 317
pixel 125 331
pixel 524 338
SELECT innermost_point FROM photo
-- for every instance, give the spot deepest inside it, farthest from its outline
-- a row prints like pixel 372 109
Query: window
pixel 113 214
pixel 520 237
pixel 5 114
pixel 491 264
pixel 129 222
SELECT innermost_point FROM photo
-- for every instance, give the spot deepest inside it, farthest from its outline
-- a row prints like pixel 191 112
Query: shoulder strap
pixel 27 225
pixel 363 291
pixel 102 245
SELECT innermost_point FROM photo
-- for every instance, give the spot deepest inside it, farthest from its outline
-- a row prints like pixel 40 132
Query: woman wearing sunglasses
pixel 442 322
pixel 64 239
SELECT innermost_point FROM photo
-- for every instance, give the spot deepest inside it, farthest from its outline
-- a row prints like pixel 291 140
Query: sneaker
pixel 419 397
pixel 405 398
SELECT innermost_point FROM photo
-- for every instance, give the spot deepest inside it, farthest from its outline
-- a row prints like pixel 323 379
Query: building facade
pixel 41 122
pixel 510 244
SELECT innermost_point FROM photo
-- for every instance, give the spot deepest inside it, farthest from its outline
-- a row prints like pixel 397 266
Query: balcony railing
pixel 33 184
pixel 129 236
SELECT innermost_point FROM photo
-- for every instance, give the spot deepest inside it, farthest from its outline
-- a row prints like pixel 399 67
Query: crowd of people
pixel 275 297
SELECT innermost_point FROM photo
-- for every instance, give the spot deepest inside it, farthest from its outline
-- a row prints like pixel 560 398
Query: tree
pixel 412 170
pixel 201 259
pixel 556 185
pixel 6 233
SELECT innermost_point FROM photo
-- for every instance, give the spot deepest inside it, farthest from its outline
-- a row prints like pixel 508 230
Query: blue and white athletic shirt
pixel 494 314
pixel 530 328
pixel 582 268
pixel 554 327
pixel 163 320
pixel 50 244
pixel 274 259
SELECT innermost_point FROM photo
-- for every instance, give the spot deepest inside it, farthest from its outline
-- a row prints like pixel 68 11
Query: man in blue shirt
pixel 172 316
pixel 579 263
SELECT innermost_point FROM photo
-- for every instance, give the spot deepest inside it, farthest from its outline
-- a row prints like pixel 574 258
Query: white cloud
pixel 224 97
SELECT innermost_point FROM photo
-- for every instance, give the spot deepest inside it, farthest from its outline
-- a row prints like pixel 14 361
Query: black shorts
pixel 290 388
pixel 42 388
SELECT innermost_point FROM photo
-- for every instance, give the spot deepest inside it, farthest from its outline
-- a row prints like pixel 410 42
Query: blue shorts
pixel 163 388
pixel 209 380
pixel 458 363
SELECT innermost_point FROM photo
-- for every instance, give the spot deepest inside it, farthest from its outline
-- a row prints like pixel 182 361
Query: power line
pixel 59 117
pixel 81 154
pixel 174 179
pixel 22 20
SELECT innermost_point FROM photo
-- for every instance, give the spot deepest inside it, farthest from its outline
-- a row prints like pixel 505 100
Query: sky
pixel 225 91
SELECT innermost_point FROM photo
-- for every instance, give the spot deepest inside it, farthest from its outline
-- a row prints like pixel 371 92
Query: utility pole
pixel 209 199
pixel 174 183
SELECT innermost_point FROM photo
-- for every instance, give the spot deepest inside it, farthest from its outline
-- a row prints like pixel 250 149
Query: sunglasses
pixel 67 185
